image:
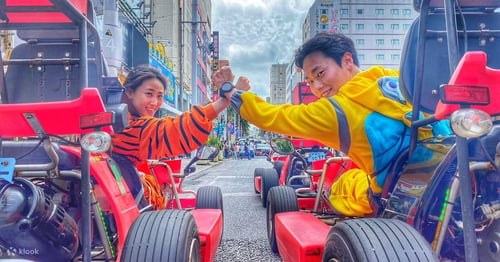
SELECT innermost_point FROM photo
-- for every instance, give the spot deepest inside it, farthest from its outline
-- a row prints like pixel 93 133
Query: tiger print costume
pixel 157 138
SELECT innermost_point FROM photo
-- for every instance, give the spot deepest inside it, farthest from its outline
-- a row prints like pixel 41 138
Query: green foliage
pixel 214 141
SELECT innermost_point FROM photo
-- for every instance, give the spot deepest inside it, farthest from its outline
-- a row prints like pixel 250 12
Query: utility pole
pixel 194 48
pixel 181 60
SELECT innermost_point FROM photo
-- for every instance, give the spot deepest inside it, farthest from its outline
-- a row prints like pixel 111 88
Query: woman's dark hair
pixel 333 45
pixel 142 73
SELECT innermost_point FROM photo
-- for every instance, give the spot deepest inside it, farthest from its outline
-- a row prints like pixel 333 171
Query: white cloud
pixel 254 34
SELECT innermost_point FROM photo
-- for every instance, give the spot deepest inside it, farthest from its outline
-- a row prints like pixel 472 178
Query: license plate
pixel 7 168
pixel 315 156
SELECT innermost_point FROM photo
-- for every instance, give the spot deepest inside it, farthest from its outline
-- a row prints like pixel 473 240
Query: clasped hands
pixel 225 74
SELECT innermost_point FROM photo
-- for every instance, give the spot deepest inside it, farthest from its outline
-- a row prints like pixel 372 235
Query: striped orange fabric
pixel 157 138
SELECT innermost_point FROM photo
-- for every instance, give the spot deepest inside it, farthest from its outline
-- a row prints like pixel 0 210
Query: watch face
pixel 226 86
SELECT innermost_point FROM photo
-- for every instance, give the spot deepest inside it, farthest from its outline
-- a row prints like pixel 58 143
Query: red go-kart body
pixel 289 169
pixel 60 200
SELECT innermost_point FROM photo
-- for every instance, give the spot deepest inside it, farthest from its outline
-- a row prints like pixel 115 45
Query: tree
pixel 241 123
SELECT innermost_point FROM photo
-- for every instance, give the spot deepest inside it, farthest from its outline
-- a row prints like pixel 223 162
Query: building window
pixel 395 42
pixel 359 11
pixel 324 11
pixel 344 11
pixel 379 26
pixel 395 26
pixel 406 12
pixel 380 57
pixel 360 41
pixel 379 11
pixel 380 41
pixel 394 11
pixel 360 26
pixel 344 27
pixel 395 57
pixel 406 26
pixel 361 57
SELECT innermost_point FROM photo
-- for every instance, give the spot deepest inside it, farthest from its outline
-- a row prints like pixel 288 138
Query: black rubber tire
pixel 257 173
pixel 280 199
pixel 376 239
pixel 209 197
pixel 269 179
pixel 278 166
pixel 164 235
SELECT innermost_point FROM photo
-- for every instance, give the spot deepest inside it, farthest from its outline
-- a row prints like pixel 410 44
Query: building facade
pixel 184 29
pixel 277 80
pixel 377 27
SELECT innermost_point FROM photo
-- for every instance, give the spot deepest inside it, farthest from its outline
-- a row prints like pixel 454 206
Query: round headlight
pixel 96 142
pixel 470 122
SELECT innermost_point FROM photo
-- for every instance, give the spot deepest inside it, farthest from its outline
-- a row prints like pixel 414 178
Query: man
pixel 361 113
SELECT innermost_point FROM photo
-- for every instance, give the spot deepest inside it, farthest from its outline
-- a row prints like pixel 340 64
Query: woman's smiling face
pixel 148 97
pixel 324 75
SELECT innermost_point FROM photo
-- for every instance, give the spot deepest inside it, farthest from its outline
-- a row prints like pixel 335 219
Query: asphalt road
pixel 244 237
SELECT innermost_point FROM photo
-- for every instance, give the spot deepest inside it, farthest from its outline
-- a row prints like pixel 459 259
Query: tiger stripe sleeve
pixel 156 138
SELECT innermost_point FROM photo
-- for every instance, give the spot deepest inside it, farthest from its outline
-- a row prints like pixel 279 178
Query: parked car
pixel 262 149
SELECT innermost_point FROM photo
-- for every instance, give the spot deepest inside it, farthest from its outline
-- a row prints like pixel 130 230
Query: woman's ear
pixel 129 92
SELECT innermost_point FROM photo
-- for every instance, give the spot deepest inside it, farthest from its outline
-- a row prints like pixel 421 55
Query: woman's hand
pixel 224 74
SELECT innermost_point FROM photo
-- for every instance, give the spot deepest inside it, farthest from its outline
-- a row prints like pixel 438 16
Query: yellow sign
pixel 160 53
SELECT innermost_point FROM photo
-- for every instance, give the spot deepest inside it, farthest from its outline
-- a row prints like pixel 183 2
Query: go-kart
pixel 169 177
pixel 441 199
pixel 63 196
pixel 289 169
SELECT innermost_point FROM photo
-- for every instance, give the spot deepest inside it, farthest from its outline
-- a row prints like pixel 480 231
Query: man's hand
pixel 223 75
pixel 243 84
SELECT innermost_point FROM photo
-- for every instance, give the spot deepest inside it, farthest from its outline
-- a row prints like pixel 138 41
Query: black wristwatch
pixel 225 88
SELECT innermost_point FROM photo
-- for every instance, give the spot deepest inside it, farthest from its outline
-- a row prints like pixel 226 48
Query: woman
pixel 150 137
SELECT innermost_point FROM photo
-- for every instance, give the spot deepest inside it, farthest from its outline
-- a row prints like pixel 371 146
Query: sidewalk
pixel 199 167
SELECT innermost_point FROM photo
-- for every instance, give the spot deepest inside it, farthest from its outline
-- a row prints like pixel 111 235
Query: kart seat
pixel 428 67
pixel 131 177
pixel 46 69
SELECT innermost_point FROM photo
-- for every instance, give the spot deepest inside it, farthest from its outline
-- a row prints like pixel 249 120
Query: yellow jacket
pixel 365 120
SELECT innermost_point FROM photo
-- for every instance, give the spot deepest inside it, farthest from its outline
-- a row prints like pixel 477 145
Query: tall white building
pixel 377 27
pixel 277 79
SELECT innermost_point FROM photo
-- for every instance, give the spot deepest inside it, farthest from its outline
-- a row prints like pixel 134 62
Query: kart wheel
pixel 278 165
pixel 269 179
pixel 280 199
pixel 257 173
pixel 209 197
pixel 376 239
pixel 164 235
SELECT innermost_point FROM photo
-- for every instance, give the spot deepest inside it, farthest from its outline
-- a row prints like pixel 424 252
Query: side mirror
pixel 282 146
pixel 203 152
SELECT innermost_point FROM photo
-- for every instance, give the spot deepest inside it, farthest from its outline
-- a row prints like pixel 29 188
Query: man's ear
pixel 347 61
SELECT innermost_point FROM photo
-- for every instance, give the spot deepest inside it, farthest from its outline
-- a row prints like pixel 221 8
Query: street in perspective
pixel 244 237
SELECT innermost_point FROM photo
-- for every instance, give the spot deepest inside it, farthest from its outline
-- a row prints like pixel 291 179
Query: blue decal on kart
pixel 7 168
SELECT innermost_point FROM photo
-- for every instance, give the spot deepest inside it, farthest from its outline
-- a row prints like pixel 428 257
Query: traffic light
pixel 215 65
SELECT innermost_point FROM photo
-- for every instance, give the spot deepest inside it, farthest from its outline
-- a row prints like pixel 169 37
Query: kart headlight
pixel 470 122
pixel 96 142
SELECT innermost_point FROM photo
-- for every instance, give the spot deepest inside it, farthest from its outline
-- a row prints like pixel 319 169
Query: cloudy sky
pixel 254 34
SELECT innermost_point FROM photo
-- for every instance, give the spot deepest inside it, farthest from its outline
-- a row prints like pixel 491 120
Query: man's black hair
pixel 333 45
